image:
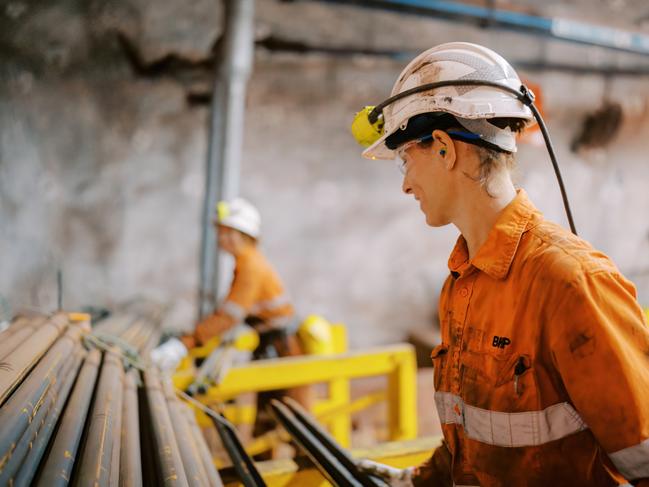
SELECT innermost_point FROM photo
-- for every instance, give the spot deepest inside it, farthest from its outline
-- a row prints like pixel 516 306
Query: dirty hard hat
pixel 472 106
pixel 240 215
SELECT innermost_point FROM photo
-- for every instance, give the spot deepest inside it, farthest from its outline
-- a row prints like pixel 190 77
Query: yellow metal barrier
pixel 336 370
pixel 396 362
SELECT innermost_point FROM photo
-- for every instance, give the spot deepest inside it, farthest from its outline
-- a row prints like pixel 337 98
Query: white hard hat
pixel 469 104
pixel 240 215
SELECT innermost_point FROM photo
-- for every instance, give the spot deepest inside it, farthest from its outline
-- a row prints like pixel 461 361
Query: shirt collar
pixel 496 254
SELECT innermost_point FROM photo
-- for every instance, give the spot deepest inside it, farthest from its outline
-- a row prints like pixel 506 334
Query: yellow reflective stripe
pixel 528 428
pixel 234 310
pixel 270 304
pixel 633 462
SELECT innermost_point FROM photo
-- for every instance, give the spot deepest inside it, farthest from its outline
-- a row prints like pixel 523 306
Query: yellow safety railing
pixel 396 362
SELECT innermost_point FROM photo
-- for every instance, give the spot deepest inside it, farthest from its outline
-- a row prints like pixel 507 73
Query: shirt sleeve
pixel 242 295
pixel 600 345
pixel 436 471
pixel 212 326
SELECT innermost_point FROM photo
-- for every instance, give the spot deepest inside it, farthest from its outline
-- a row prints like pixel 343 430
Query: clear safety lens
pixel 401 165
pixel 401 156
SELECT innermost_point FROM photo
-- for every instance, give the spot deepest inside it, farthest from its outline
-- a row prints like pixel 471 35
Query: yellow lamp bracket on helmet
pixel 366 118
pixel 367 126
pixel 222 210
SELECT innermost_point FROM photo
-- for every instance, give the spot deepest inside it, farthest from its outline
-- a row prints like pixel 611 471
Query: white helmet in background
pixel 471 105
pixel 240 215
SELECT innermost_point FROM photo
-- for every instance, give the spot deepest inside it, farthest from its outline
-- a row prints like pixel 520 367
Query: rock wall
pixel 103 113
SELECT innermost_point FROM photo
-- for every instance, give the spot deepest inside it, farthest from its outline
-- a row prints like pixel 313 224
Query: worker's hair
pixel 245 236
pixel 492 160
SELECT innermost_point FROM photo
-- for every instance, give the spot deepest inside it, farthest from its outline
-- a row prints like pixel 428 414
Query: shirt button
pixel 464 292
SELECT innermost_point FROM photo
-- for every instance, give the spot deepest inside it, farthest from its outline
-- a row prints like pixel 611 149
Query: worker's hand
pixel 395 477
pixel 168 355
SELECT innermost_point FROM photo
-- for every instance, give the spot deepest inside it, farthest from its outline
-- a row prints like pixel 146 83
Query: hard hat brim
pixel 378 150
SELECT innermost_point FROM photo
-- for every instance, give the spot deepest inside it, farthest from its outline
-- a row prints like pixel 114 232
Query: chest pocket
pixel 498 380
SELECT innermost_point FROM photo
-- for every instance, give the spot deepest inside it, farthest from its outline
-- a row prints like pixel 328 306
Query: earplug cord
pixel 523 94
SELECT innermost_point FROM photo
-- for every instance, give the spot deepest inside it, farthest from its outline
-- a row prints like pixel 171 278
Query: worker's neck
pixel 478 211
pixel 242 246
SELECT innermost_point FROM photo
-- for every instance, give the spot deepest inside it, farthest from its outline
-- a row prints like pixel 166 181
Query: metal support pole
pixel 225 136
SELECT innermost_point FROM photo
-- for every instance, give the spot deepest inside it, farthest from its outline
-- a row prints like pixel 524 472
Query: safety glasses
pixel 401 152
pixel 461 135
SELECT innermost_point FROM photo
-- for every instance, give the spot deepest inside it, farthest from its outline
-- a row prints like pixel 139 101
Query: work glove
pixel 168 355
pixel 395 477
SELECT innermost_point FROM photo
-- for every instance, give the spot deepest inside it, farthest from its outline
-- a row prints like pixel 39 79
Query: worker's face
pixel 428 177
pixel 228 239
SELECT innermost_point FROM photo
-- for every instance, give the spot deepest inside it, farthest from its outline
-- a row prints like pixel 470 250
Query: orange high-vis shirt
pixel 256 290
pixel 542 376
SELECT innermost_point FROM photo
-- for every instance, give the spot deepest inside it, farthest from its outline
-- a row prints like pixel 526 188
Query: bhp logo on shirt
pixel 500 342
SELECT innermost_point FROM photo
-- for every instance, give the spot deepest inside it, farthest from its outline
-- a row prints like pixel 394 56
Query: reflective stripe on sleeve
pixel 234 310
pixel 270 304
pixel 284 322
pixel 633 462
pixel 529 428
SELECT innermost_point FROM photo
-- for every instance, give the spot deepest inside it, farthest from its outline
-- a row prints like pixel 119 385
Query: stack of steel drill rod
pixel 136 325
pixel 71 413
pixel 25 344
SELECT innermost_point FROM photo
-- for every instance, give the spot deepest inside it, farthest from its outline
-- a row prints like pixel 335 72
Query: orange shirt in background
pixel 256 290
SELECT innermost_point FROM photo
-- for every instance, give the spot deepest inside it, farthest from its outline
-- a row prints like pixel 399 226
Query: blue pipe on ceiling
pixel 556 28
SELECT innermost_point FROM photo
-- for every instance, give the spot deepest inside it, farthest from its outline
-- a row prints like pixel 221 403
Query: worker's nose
pixel 405 186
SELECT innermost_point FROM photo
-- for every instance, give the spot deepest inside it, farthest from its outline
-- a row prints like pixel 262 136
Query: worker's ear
pixel 444 148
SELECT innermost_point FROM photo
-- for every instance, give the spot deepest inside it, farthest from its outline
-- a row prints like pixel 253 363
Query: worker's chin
pixel 434 220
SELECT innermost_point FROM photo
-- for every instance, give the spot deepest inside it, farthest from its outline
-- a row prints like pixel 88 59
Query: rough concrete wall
pixel 102 155
pixel 361 251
